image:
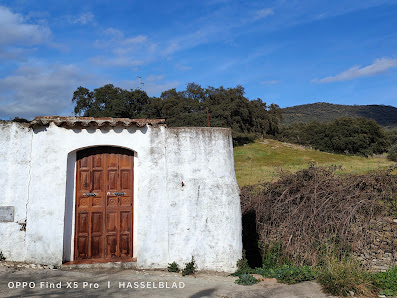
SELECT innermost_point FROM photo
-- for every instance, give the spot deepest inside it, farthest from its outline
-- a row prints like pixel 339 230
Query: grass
pixel 265 159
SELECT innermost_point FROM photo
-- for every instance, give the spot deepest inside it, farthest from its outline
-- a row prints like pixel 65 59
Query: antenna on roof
pixel 140 83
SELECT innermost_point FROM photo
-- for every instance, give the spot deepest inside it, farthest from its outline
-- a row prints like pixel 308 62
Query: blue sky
pixel 284 52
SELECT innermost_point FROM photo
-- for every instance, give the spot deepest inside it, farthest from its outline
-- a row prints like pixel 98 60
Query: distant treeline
pixel 249 119
pixel 344 135
pixel 227 107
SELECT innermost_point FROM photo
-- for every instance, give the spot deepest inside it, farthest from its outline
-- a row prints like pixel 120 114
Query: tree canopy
pixel 228 107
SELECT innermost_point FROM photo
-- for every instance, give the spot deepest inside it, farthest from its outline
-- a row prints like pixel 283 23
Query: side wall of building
pixel 15 155
pixel 186 199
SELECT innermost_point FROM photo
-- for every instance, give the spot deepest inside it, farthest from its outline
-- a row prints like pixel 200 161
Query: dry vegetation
pixel 315 212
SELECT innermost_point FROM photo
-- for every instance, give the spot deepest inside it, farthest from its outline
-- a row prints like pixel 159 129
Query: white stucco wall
pixel 172 222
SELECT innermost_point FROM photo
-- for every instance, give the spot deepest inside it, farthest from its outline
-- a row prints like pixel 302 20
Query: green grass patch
pixel 344 277
pixel 387 281
pixel 265 160
pixel 288 274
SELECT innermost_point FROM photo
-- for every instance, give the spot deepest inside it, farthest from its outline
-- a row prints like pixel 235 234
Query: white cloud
pixel 154 78
pixel 120 61
pixel 182 67
pixel 263 13
pixel 14 29
pixel 123 51
pixel 379 66
pixel 270 82
pixel 34 90
pixel 82 19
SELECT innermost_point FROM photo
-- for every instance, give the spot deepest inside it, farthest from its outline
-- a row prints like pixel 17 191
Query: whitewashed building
pixel 95 190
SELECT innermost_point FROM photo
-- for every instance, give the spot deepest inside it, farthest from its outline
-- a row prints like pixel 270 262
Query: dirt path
pixel 28 282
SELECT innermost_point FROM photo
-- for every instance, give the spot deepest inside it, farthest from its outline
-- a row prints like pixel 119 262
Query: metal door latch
pixel 90 194
pixel 118 193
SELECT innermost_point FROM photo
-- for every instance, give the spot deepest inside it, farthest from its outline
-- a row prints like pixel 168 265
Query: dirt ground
pixel 29 282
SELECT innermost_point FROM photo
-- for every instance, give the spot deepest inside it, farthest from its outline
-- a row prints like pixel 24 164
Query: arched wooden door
pixel 104 204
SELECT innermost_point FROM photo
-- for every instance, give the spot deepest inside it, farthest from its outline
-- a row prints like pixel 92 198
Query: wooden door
pixel 104 204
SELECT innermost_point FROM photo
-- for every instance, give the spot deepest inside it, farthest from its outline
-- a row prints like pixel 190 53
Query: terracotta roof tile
pixel 70 122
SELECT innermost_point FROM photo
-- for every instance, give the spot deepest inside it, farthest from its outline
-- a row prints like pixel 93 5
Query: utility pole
pixel 140 83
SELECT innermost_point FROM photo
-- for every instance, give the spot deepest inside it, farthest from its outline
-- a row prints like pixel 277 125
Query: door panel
pixel 104 200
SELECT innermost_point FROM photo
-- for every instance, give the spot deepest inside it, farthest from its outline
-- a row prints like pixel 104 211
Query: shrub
pixel 173 267
pixel 343 135
pixel 246 280
pixel 387 281
pixel 340 277
pixel 392 154
pixel 190 268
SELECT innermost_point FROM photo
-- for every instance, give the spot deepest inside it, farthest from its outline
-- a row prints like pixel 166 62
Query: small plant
pixel 190 268
pixel 173 267
pixel 246 280
pixel 387 281
pixel 2 257
pixel 242 266
pixel 271 255
pixel 289 274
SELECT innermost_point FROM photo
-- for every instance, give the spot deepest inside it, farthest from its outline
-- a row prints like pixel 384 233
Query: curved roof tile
pixel 70 122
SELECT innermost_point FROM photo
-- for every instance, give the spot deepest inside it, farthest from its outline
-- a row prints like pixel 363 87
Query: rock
pixel 258 277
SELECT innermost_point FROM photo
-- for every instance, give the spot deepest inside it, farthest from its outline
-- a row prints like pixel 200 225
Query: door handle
pixel 90 194
pixel 118 193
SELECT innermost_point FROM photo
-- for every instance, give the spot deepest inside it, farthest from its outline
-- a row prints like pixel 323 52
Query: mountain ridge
pixel 384 115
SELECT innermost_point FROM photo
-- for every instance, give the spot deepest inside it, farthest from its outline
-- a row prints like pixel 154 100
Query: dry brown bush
pixel 314 211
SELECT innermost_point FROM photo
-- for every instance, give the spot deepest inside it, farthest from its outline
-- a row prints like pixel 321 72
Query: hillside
pixel 321 111
pixel 265 159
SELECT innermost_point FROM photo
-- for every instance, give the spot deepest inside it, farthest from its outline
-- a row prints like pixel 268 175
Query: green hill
pixel 264 160
pixel 321 111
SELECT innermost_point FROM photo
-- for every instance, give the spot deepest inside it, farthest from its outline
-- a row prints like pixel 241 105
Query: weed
pixel 271 255
pixel 190 268
pixel 242 266
pixel 246 280
pixel 341 277
pixel 387 281
pixel 173 267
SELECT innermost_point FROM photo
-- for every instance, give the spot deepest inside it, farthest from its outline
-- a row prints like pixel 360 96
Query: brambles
pixel 314 212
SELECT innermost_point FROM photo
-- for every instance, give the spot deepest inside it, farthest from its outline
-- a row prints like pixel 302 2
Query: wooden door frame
pixel 70 204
